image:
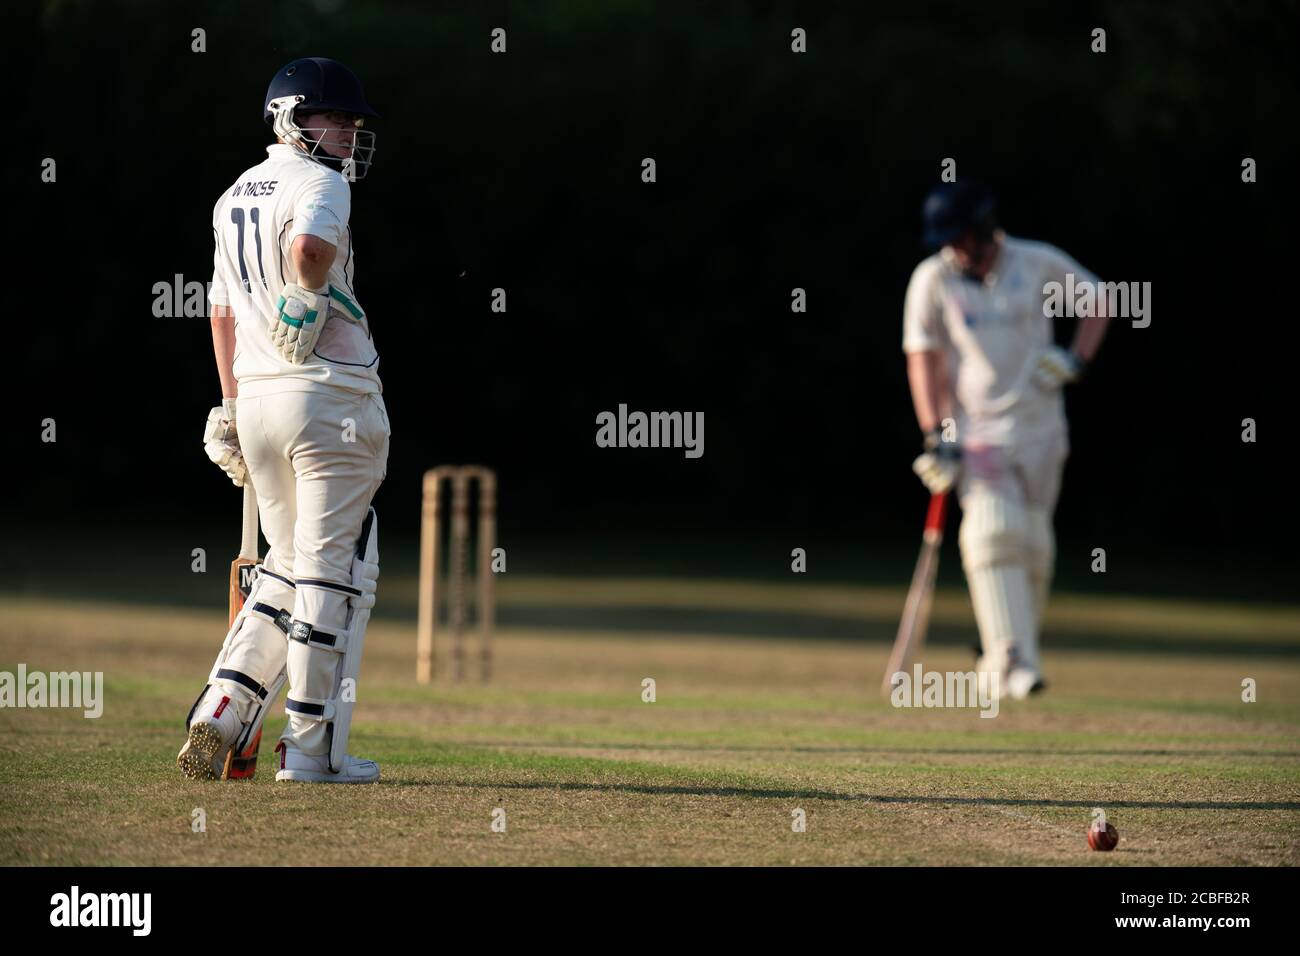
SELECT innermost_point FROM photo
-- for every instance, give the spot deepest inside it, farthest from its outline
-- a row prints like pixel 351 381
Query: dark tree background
pixel 775 170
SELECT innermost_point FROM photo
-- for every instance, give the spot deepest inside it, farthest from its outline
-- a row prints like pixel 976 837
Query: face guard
pixel 360 152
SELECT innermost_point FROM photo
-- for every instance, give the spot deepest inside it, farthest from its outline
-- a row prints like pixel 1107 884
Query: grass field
pixel 1143 718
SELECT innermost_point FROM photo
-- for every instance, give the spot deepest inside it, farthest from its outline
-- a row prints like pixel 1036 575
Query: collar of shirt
pixel 283 150
pixel 991 277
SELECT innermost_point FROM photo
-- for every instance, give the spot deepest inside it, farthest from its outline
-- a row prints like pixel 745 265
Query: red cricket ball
pixel 1103 837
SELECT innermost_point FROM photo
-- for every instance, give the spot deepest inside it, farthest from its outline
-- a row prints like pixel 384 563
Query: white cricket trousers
pixel 316 460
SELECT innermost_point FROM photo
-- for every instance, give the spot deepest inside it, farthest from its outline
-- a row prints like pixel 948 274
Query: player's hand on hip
pixel 1056 367
pixel 221 442
pixel 939 466
pixel 300 315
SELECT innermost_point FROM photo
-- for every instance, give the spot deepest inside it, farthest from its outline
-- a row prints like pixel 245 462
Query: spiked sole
pixel 195 760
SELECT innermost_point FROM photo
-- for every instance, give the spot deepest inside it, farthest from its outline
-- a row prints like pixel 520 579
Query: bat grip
pixel 248 537
pixel 937 515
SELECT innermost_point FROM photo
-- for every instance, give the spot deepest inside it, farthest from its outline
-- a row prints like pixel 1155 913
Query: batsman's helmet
pixel 953 209
pixel 317 84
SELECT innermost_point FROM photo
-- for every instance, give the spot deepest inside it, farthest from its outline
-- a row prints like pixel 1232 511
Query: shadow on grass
pixel 901 751
pixel 829 627
pixel 762 793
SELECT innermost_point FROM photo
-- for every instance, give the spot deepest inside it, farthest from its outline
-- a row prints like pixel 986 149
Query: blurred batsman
pixel 303 420
pixel 986 380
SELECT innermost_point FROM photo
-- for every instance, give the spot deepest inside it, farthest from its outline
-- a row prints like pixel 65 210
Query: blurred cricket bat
pixel 916 611
pixel 242 766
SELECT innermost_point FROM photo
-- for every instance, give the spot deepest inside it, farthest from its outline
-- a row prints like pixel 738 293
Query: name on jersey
pixel 265 188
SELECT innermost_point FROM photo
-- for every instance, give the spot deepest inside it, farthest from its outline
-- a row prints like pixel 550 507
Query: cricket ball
pixel 1103 836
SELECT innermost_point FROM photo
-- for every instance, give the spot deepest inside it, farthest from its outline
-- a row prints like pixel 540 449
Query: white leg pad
pixel 324 657
pixel 1042 556
pixel 250 669
pixel 994 547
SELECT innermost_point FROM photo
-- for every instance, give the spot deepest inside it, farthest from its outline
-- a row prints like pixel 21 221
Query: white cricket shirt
pixel 989 332
pixel 253 223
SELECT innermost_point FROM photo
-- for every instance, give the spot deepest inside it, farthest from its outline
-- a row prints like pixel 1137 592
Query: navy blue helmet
pixel 317 84
pixel 324 85
pixel 953 209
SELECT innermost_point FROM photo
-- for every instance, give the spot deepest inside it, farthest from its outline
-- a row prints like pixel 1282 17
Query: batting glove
pixel 939 466
pixel 221 442
pixel 1057 367
pixel 299 317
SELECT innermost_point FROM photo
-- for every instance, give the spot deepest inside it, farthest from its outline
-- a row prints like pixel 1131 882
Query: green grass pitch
pixel 1143 718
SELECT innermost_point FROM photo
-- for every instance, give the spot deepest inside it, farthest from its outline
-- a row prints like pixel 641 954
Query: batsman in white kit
pixel 981 357
pixel 303 421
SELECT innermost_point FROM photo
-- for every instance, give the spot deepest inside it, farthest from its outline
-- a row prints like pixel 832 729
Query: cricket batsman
pixel 302 418
pixel 986 381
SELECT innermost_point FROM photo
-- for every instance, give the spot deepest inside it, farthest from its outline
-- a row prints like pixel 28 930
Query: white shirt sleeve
pixel 923 329
pixel 321 209
pixel 1055 264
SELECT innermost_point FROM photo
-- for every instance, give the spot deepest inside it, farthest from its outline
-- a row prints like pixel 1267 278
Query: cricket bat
pixel 243 765
pixel 916 611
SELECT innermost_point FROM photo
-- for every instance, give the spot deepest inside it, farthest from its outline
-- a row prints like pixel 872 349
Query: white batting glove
pixel 939 466
pixel 300 315
pixel 1057 367
pixel 221 442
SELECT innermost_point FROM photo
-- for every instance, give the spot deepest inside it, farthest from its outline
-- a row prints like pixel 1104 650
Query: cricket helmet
pixel 953 209
pixel 317 84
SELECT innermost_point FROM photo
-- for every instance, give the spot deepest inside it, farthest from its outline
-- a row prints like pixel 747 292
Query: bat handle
pixel 248 536
pixel 937 515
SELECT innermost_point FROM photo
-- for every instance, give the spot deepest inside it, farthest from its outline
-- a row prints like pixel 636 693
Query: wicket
pixel 460 478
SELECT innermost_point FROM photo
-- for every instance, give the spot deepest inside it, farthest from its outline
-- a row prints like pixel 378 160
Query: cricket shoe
pixel 1023 681
pixel 315 768
pixel 994 668
pixel 210 738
